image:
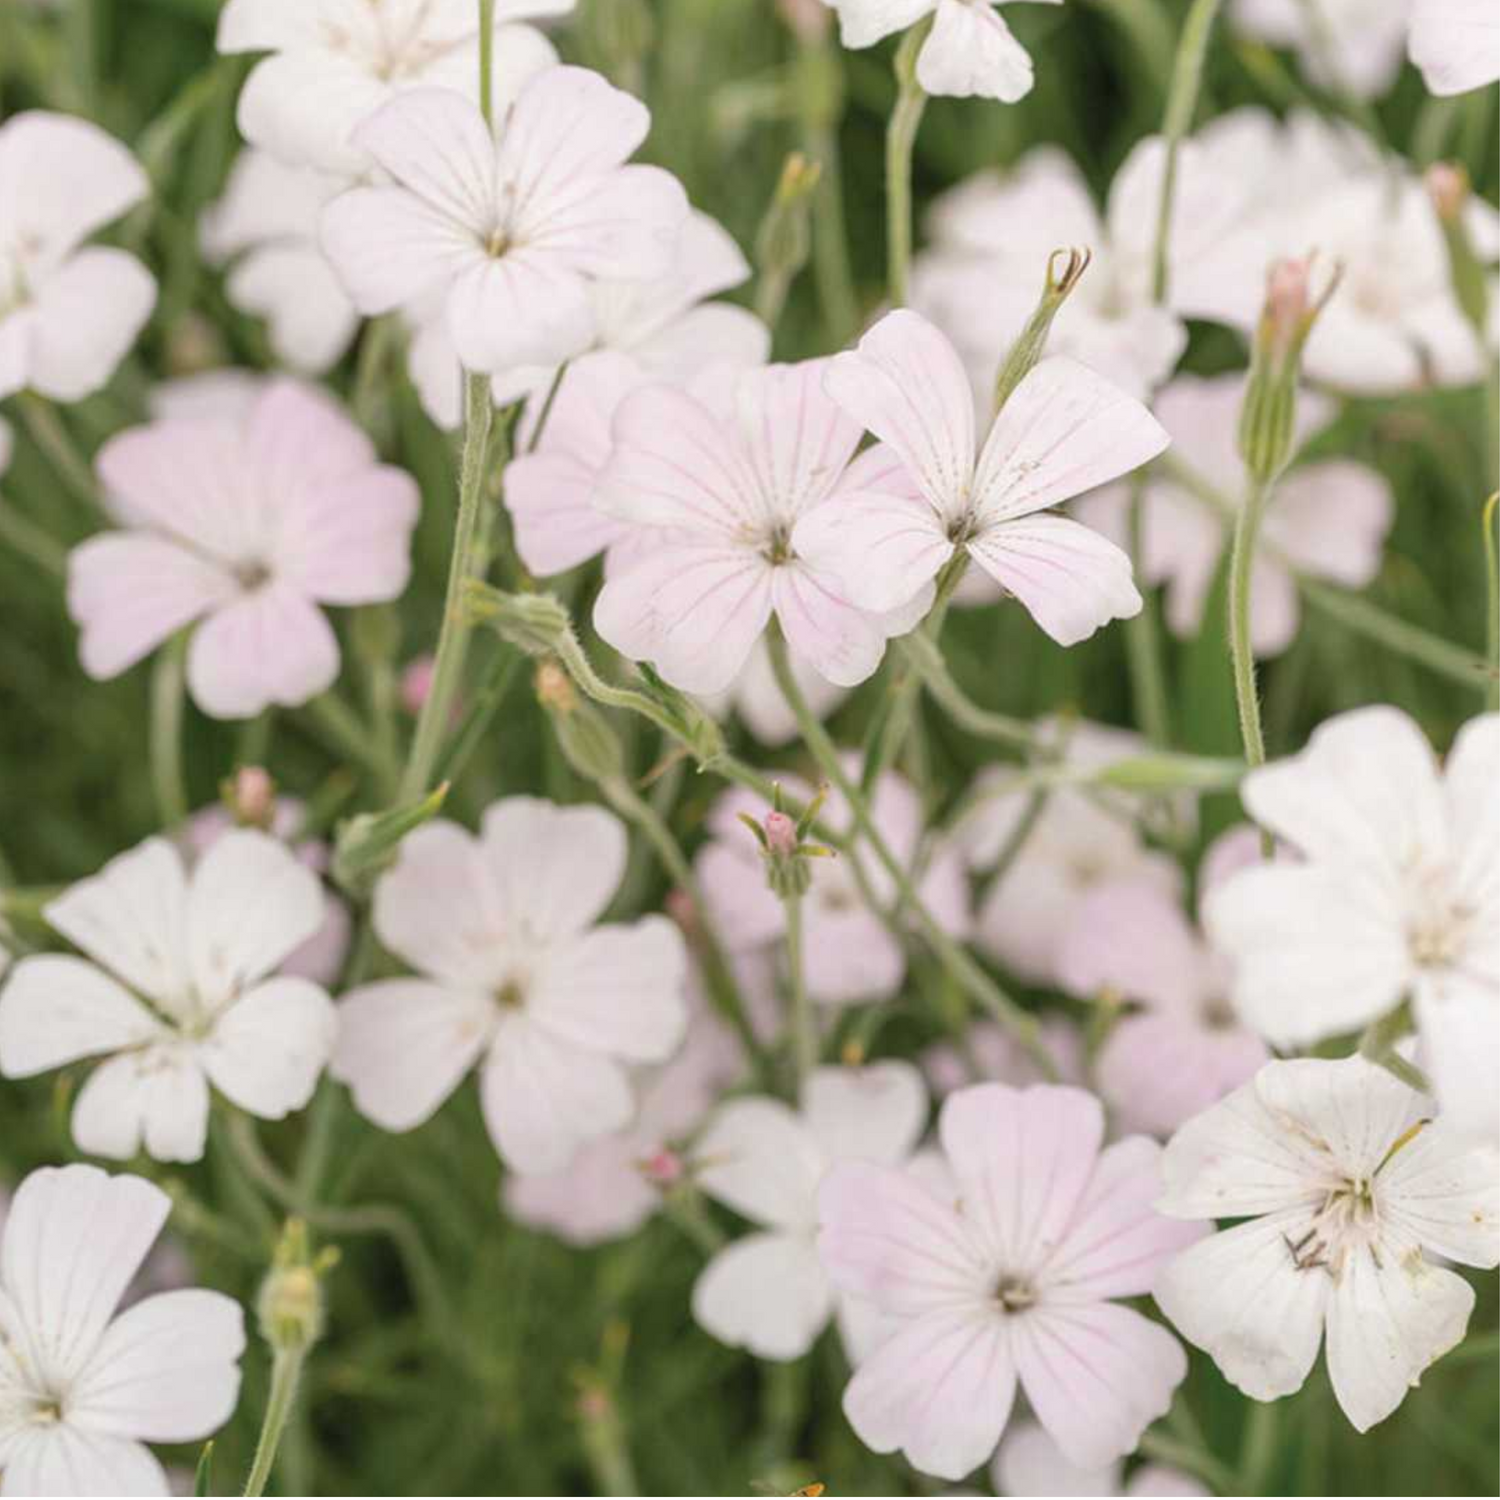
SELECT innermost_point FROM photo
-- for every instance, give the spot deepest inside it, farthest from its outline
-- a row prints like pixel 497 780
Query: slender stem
pixel 603 1436
pixel 286 1371
pixel 369 376
pixel 33 543
pixel 487 61
pixel 466 739
pixel 1182 101
pixel 547 404
pixel 453 640
pixel 341 727
pixel 1242 658
pixel 53 438
pixel 804 1028
pixel 1195 1460
pixel 900 138
pixel 1143 649
pixel 1489 520
pixel 950 954
pixel 167 686
pixel 927 663
pixel 1257 1447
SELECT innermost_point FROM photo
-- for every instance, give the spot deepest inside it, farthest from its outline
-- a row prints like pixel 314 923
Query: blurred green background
pixel 487 1401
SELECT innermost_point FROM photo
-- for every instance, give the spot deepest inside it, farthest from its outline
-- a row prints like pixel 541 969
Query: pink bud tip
pixel 663 1167
pixel 593 1404
pixel 254 796
pixel 781 834
pixel 808 19
pixel 416 683
pixel 1286 298
pixel 1448 187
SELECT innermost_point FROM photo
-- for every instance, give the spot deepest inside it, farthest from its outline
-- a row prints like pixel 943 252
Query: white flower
pixel 174 994
pixel 991 238
pixel 518 979
pixel 1349 1191
pixel 1456 44
pixel 1398 896
pixel 81 1389
pixel 335 62
pixel 267 224
pixel 1030 1463
pixel 509 226
pixel 68 315
pixel 969 51
pixel 1355 45
pixel 1063 430
pixel 767 1292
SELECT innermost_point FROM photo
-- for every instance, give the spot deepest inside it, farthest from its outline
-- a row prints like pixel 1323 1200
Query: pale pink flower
pixel 1030 1463
pixel 849 954
pixel 1008 1279
pixel 178 990
pixel 83 1386
pixel 970 50
pixel 1397 896
pixel 991 238
pixel 266 224
pixel 1183 1049
pixel 1077 841
pixel 767 1291
pixel 321 957
pixel 245 526
pixel 1349 1191
pixel 997 1057
pixel 1063 430
pixel 227 392
pixel 335 62
pixel 1456 44
pixel 1328 519
pixel 515 977
pixel 723 480
pixel 615 1184
pixel 1356 45
pixel 508 226
pixel 69 312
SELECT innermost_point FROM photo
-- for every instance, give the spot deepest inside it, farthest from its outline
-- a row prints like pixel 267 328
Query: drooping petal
pixel 862 23
pixel 971 52
pixel 267 1051
pixel 270 646
pixel 1456 44
pixel 404 1045
pixel 940 1391
pixel 74 1238
pixel 543 1099
pixel 166 1370
pixel 55 1010
pixel 1071 580
pixel 765 1293
pixel 617 989
pixel 1241 1296
pixel 906 384
pixel 130 591
pixel 556 868
pixel 87 315
pixel 152 1099
pixel 694 610
pixel 1471 786
pixel 250 902
pixel 1096 1375
pixel 132 918
pixel 756 1156
pixel 1386 1324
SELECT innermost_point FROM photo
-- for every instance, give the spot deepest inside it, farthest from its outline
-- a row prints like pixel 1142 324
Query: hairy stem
pixel 1242 658
pixel 286 1372
pixel 900 138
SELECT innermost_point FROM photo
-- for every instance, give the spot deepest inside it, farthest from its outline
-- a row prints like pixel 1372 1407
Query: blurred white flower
pixel 510 230
pixel 1456 44
pixel 990 240
pixel 514 976
pixel 1328 518
pixel 1030 1463
pixel 1349 1190
pixel 1063 430
pixel 766 1291
pixel 266 223
pixel 177 991
pixel 69 312
pixel 335 62
pixel 1398 896
pixel 762 707
pixel 969 51
pixel 1344 45
pixel 84 1387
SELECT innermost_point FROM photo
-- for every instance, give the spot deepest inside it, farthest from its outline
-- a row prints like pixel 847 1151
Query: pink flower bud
pixel 1287 302
pixel 1448 187
pixel 416 683
pixel 594 1404
pixel 681 910
pixel 781 834
pixel 253 796
pixel 809 20
pixel 663 1167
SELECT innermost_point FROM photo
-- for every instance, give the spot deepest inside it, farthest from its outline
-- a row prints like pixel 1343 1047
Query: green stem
pixel 830 240
pixel 346 732
pixel 927 664
pixel 1257 1448
pixel 1242 658
pixel 286 1371
pixel 50 434
pixel 33 543
pixel 804 1027
pixel 950 954
pixel 1182 101
pixel 1489 520
pixel 900 139
pixel 487 61
pixel 453 639
pixel 1168 1450
pixel 1143 647
pixel 604 1445
pixel 167 691
pixel 469 735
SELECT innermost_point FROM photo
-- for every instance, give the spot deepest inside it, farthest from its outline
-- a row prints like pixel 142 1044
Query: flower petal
pixel 55 1010
pixel 67 1460
pixel 765 1293
pixel 152 1099
pixel 883 549
pixel 844 645
pixel 756 1156
pixel 971 52
pixel 88 314
pixel 268 1049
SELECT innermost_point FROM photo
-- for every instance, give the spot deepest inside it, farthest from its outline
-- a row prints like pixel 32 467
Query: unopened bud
pixel 784 240
pixel 1065 270
pixel 586 738
pixel 782 841
pixel 250 796
pixel 683 910
pixel 554 689
pixel 808 20
pixel 194 345
pixel 781 834
pixel 290 1305
pixel 1286 305
pixel 416 682
pixel 367 844
pixel 537 624
pixel 1448 187
pixel 663 1168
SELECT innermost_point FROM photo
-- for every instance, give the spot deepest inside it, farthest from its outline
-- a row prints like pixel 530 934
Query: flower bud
pixel 250 796
pixel 782 843
pixel 290 1304
pixel 588 742
pixel 784 239
pixel 1065 270
pixel 416 682
pixel 537 624
pixel 808 20
pixel 367 844
pixel 1448 188
pixel 664 1168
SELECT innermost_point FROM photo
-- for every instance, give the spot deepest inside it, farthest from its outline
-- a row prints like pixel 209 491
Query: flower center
pixel 252 574
pixel 1348 1221
pixel 511 995
pixel 778 545
pixel 1437 929
pixel 1218 1014
pixel 1014 1294
pixel 497 244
